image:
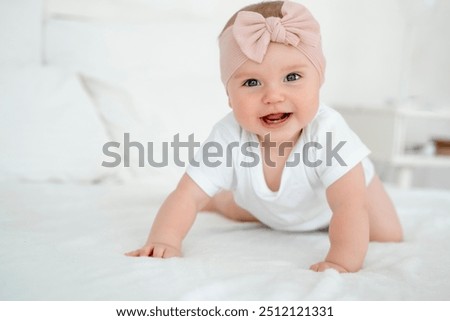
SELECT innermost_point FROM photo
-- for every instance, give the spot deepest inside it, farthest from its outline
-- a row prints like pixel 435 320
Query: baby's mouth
pixel 273 119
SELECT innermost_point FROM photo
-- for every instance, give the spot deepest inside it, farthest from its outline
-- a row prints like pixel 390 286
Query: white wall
pixel 386 50
pixel 377 51
pixel 20 27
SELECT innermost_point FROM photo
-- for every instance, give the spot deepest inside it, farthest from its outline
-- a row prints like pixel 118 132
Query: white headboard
pixel 98 10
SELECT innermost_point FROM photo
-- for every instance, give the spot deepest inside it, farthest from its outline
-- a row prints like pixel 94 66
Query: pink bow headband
pixel 251 34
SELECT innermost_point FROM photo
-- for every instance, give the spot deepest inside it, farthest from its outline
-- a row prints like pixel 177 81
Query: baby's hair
pixel 266 9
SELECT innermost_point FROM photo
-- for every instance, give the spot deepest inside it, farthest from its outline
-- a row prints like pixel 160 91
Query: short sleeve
pixel 212 166
pixel 337 148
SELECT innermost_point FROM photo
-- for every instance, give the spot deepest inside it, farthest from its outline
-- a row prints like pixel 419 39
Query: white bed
pixel 66 242
pixel 65 221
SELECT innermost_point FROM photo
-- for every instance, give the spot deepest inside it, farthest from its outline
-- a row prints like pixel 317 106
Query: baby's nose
pixel 273 95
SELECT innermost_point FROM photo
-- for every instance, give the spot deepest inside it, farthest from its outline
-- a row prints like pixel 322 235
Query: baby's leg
pixel 384 223
pixel 223 203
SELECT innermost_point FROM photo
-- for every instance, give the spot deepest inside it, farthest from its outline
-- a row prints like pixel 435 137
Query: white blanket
pixel 66 242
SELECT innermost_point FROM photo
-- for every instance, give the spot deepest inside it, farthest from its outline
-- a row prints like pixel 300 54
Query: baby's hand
pixel 322 266
pixel 158 250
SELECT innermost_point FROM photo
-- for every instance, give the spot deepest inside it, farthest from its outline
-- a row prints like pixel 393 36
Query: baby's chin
pixel 280 136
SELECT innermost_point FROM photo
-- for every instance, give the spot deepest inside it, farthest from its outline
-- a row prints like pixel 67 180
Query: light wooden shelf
pixel 414 160
pixel 383 130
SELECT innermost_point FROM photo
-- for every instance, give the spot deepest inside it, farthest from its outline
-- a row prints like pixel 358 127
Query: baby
pixel 300 167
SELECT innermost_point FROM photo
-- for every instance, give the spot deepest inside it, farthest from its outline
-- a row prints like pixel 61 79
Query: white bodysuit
pixel 230 159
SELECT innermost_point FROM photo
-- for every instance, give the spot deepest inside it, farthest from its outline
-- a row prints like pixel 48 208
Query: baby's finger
pixel 322 266
pixel 133 253
pixel 158 252
pixel 146 251
pixel 318 267
pixel 329 265
pixel 171 252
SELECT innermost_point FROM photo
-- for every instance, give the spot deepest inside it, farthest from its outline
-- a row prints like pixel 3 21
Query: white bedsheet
pixel 66 242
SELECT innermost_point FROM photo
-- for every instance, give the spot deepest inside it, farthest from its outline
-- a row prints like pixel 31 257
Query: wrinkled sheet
pixel 66 242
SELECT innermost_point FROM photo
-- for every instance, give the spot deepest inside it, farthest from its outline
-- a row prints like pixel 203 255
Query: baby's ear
pixel 228 96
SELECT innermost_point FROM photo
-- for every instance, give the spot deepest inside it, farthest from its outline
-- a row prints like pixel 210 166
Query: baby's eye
pixel 292 77
pixel 251 83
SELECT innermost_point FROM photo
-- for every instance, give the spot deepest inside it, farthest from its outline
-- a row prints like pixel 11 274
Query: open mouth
pixel 274 119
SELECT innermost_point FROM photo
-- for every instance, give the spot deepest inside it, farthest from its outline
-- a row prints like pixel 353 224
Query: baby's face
pixel 280 96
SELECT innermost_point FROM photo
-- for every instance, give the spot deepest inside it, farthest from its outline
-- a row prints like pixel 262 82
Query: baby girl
pixel 302 168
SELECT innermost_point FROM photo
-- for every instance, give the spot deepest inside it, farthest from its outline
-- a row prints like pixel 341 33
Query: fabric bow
pixel 253 32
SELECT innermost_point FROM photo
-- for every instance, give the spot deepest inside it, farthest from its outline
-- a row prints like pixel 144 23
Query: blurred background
pixel 75 74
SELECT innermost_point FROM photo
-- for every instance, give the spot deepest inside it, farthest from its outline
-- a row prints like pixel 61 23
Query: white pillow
pixel 142 82
pixel 117 109
pixel 49 129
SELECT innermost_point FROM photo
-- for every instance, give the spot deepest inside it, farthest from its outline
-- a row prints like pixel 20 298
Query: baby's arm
pixel 349 226
pixel 173 221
